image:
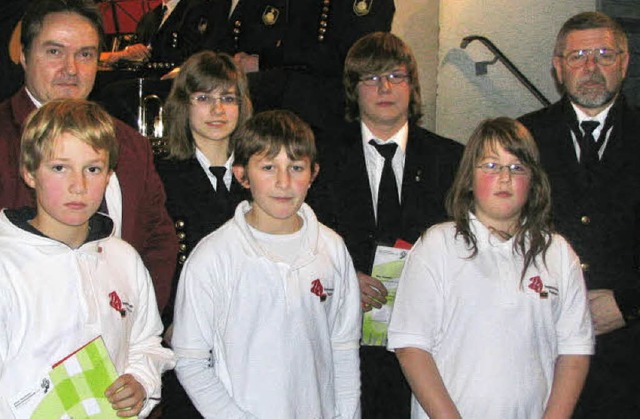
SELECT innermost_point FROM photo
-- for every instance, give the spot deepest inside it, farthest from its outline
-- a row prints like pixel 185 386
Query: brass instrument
pixel 150 121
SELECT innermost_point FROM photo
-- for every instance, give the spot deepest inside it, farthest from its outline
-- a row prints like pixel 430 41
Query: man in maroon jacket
pixel 60 48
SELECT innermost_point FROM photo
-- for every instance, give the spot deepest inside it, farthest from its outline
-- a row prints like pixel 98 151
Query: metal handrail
pixel 507 63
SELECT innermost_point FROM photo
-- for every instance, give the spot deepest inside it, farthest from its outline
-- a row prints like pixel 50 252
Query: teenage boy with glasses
pixel 370 202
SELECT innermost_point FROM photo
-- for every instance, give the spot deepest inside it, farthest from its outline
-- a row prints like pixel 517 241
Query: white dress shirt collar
pixel 205 164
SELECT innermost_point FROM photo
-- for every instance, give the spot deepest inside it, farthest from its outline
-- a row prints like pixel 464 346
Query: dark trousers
pixel 612 389
pixel 385 392
pixel 175 402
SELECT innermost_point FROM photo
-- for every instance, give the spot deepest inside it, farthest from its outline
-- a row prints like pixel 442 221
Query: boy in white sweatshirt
pixel 64 278
pixel 267 318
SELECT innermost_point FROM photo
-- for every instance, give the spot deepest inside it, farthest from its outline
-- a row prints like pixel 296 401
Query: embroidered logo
pixel 270 15
pixel 362 7
pixel 116 303
pixel 318 289
pixel 536 284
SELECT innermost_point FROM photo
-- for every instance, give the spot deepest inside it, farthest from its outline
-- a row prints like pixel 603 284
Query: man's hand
pixel 605 313
pixel 372 292
pixel 126 395
pixel 136 52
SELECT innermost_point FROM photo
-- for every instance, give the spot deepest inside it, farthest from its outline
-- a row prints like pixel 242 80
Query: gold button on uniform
pixel 585 220
pixel 585 267
pixel 324 17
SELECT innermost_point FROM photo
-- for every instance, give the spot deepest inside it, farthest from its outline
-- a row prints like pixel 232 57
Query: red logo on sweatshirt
pixel 318 289
pixel 535 283
pixel 116 303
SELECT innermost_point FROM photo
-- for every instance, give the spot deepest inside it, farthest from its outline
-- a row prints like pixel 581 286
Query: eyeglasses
pixel 602 56
pixel 395 77
pixel 493 168
pixel 210 100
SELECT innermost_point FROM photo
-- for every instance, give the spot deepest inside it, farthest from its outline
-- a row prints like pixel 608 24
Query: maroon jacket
pixel 145 222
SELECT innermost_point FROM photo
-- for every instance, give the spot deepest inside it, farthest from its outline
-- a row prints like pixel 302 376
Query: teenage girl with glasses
pixel 491 318
pixel 208 101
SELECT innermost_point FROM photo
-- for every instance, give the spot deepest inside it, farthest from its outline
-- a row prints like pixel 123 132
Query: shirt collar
pixel 601 117
pixel 400 137
pixel 234 3
pixel 35 101
pixel 170 4
pixel 205 163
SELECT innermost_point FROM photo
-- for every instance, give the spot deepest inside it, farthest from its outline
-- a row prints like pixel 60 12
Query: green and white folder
pixel 74 388
pixel 387 267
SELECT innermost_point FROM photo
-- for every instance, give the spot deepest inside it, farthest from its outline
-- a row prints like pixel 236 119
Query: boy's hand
pixel 126 395
pixel 372 292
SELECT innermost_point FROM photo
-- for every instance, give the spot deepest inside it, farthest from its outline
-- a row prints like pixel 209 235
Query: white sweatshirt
pixel 55 299
pixel 258 337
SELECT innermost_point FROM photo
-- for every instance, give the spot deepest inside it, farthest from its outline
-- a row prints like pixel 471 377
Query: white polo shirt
pixel 494 338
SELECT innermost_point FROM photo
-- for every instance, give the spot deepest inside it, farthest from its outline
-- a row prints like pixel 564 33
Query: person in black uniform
pixel 169 34
pixel 293 52
pixel 589 146
pixel 350 195
pixel 208 101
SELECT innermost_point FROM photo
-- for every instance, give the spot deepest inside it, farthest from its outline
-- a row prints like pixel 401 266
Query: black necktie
pixel 388 203
pixel 588 146
pixel 218 172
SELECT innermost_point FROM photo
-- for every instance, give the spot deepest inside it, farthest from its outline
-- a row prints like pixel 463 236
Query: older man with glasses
pixel 590 145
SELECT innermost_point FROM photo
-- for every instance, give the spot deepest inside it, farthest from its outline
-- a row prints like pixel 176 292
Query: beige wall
pixel 416 21
pixel 456 99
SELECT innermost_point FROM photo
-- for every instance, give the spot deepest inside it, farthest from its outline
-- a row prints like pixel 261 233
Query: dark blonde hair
pixel 590 20
pixel 87 121
pixel 202 72
pixel 533 232
pixel 376 53
pixel 268 132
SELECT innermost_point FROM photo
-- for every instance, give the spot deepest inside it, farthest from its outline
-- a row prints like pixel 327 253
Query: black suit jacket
pixel 598 212
pixel 344 201
pixel 194 207
pixel 192 200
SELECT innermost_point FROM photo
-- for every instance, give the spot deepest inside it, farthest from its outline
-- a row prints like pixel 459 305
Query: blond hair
pixel 84 120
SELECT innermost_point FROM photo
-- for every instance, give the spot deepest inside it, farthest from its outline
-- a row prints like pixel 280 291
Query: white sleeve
pixel 416 320
pixel 194 340
pixel 206 391
pixel 6 307
pixel 147 358
pixel 574 327
pixel 346 366
pixel 345 344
